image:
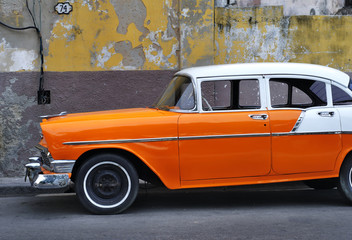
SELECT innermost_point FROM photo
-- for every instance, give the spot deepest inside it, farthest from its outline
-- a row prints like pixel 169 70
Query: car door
pixel 306 132
pixel 230 136
pixel 342 101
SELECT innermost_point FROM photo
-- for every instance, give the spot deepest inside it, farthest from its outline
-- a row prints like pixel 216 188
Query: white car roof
pixel 267 69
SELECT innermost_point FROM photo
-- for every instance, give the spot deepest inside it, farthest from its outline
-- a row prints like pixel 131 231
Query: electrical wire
pixel 41 80
pixel 15 28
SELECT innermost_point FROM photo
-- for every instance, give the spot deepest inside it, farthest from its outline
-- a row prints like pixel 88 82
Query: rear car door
pixel 306 131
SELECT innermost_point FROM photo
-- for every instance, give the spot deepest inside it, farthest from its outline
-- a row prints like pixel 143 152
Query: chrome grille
pixel 45 158
pixel 45 155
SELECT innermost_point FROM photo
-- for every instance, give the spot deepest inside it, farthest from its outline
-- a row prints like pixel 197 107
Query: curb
pixel 18 187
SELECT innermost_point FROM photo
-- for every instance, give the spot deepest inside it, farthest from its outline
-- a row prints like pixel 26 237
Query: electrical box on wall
pixel 43 97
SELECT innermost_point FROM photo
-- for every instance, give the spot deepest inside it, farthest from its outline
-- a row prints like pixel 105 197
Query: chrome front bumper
pixel 45 181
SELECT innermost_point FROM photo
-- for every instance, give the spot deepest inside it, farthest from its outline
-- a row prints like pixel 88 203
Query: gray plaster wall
pixel 71 92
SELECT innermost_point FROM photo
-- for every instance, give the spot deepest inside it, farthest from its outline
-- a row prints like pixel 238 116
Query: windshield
pixel 179 95
pixel 350 86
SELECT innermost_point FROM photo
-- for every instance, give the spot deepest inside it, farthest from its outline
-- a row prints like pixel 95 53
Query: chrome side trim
pixel 225 136
pixel 166 139
pixel 299 121
pixel 142 140
pixel 303 133
pixel 63 166
pixel 122 141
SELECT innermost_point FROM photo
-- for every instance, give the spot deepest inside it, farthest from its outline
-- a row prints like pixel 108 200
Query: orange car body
pixel 158 138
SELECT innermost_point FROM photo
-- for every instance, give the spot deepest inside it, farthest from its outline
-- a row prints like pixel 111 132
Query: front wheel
pixel 345 179
pixel 106 184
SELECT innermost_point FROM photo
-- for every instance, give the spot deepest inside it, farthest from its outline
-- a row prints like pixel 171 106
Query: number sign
pixel 63 8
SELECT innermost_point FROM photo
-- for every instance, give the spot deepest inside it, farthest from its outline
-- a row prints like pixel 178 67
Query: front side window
pixel 230 95
pixel 297 93
pixel 179 95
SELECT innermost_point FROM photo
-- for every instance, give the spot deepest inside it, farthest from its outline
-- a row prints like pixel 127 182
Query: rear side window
pixel 340 97
pixel 297 93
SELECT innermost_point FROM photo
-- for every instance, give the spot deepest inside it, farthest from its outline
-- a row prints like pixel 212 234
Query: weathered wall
pixel 291 7
pixel 110 54
pixel 265 34
pixel 115 35
pixel 196 32
pixel 71 92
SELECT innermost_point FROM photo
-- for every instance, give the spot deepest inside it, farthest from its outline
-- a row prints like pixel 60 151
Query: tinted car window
pixel 340 97
pixel 297 93
pixel 230 95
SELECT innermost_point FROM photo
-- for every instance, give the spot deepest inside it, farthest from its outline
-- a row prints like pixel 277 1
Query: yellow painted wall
pixel 196 32
pixel 87 39
pixel 324 40
pixel 265 35
pixel 171 34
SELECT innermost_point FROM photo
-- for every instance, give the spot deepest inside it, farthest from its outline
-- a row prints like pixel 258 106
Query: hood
pixel 135 123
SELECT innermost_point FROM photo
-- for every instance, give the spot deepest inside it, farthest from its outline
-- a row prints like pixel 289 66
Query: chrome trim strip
pixel 122 141
pixel 225 136
pixel 299 121
pixel 303 133
pixel 166 139
pixel 142 140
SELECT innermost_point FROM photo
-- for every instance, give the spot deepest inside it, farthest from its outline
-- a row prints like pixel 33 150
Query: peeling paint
pixel 196 32
pixel 15 59
pixel 84 41
pixel 266 35
pixel 170 34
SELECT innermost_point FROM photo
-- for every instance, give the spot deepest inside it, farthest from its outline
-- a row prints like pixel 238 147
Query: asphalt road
pixel 192 214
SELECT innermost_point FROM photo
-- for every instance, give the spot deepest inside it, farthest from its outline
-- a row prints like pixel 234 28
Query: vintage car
pixel 221 125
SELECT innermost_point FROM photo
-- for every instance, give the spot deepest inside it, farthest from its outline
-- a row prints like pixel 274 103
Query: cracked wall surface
pixel 264 34
pixel 115 35
pixel 196 32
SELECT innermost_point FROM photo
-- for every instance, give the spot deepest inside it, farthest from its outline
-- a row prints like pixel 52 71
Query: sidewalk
pixel 17 186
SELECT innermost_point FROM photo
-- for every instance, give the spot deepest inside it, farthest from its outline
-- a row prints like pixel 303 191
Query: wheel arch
pixel 347 156
pixel 144 171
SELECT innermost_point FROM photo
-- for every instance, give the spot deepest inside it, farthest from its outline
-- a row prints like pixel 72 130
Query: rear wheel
pixel 345 179
pixel 106 184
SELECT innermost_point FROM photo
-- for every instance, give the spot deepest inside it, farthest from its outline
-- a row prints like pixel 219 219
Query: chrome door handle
pixel 326 114
pixel 259 116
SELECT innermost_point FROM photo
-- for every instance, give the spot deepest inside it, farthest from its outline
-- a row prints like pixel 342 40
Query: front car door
pixel 306 132
pixel 230 136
